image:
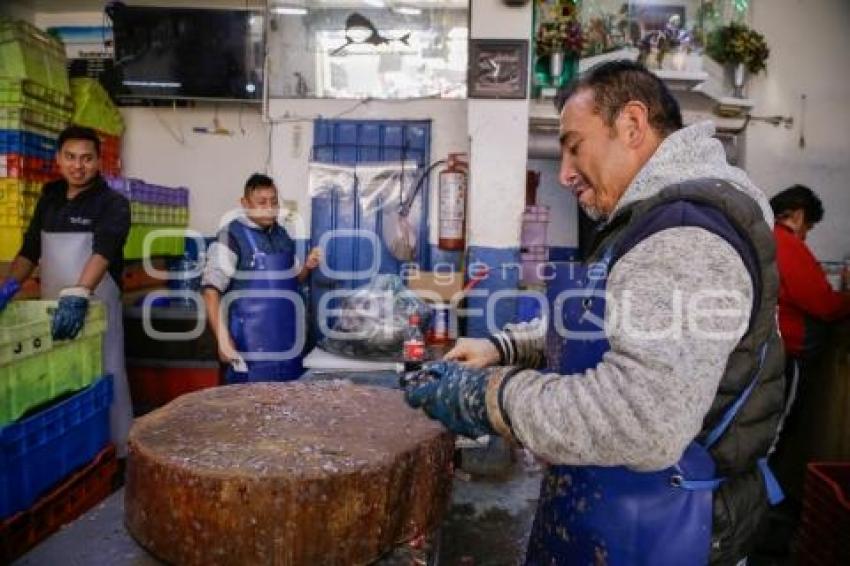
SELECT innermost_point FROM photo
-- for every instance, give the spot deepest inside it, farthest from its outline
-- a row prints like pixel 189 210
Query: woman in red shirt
pixel 807 303
pixel 806 300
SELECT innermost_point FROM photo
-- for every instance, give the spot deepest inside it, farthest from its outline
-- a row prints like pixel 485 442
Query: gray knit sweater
pixel 677 305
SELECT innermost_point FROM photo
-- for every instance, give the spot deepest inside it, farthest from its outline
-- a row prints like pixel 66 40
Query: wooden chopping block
pixel 285 473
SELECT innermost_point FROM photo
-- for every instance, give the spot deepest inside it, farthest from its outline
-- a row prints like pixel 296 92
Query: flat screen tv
pixel 179 53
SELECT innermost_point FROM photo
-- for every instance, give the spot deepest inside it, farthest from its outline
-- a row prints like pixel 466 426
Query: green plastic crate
pixel 18 91
pixel 173 245
pixel 94 108
pixel 26 52
pixel 41 107
pixel 33 368
pixel 19 118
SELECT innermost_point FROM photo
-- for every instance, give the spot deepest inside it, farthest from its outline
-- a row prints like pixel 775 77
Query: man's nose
pixel 568 175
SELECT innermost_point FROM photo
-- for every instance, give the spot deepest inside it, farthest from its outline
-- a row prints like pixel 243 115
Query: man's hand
pixel 314 258
pixel 474 353
pixel 228 354
pixel 454 395
pixel 70 316
pixel 8 290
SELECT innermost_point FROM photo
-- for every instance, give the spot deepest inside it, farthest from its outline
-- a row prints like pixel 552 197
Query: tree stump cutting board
pixel 285 473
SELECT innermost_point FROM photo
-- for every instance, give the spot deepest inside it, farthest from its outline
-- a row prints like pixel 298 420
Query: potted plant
pixel 742 48
pixel 559 38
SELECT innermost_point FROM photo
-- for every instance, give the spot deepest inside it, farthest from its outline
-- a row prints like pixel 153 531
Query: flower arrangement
pixel 738 44
pixel 560 30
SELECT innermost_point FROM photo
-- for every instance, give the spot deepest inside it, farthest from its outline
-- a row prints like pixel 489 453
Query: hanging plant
pixel 738 44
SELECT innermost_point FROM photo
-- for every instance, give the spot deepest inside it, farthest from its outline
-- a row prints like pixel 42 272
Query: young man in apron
pixel 76 237
pixel 253 266
pixel 665 386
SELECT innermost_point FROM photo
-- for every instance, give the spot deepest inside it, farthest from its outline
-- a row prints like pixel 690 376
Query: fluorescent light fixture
pixel 290 10
pixel 407 10
pixel 376 3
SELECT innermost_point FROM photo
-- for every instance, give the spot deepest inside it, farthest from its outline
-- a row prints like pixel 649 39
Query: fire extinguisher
pixel 453 187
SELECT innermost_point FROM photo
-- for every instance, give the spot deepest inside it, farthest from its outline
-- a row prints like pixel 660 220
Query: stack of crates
pixel 54 415
pixel 159 215
pixel 35 105
pixel 94 109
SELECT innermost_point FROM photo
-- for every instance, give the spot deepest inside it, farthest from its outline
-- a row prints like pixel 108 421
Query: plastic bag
pixel 374 318
pixel 401 231
pixel 325 178
pixel 384 185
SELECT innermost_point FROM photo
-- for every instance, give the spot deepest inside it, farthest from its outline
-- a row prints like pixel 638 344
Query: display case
pixel 669 37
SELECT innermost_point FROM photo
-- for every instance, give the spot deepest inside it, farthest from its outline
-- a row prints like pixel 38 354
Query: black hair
pixel 79 133
pixel 616 83
pixel 798 197
pixel 256 181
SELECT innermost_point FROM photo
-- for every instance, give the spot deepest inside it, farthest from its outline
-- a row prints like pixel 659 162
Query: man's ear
pixel 633 123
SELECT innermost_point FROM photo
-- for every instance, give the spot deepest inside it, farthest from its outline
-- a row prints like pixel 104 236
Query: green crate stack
pixel 34 98
pixel 26 52
pixel 34 369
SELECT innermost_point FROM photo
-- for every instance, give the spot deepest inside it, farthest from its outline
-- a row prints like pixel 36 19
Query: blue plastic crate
pixel 42 450
pixel 27 143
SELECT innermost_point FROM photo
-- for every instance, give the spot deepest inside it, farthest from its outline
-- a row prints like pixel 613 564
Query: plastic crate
pixel 26 167
pixel 23 142
pixel 94 108
pixel 17 197
pixel 171 245
pixel 42 107
pixel 73 497
pixel 825 524
pixel 33 368
pixel 18 117
pixel 19 91
pixel 40 451
pixel 155 383
pixel 11 238
pixel 26 52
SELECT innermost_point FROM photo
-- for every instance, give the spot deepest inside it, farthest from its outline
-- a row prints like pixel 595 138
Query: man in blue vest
pixel 665 386
pixel 254 260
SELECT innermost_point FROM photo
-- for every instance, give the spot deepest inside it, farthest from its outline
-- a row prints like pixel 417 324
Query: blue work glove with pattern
pixel 70 315
pixel 7 291
pixel 453 394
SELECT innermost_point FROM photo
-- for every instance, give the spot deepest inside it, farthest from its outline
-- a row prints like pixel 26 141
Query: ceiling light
pixel 407 10
pixel 376 3
pixel 290 10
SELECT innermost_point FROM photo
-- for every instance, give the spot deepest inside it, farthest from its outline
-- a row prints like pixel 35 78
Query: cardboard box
pixel 436 286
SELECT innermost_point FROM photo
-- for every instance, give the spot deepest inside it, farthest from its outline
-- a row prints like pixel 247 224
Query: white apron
pixel 63 256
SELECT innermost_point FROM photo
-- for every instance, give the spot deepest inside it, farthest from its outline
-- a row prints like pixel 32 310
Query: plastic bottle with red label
pixel 414 345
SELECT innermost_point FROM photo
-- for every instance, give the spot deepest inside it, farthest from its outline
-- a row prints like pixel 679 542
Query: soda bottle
pixel 413 350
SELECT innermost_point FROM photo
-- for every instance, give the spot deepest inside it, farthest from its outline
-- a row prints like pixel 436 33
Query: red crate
pixel 152 386
pixel 76 495
pixel 27 167
pixel 825 525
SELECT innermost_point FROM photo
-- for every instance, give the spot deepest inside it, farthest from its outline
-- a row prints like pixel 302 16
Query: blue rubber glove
pixel 453 394
pixel 7 291
pixel 69 317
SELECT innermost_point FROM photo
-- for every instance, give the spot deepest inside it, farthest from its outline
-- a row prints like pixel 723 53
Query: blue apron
pixel 614 515
pixel 264 329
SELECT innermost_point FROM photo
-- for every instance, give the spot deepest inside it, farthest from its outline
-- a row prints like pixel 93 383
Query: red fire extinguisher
pixel 453 187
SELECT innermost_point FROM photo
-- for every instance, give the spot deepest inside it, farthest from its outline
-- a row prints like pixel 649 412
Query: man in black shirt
pixel 77 237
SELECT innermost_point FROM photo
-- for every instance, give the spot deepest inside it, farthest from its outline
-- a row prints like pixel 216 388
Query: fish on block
pixel 285 473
